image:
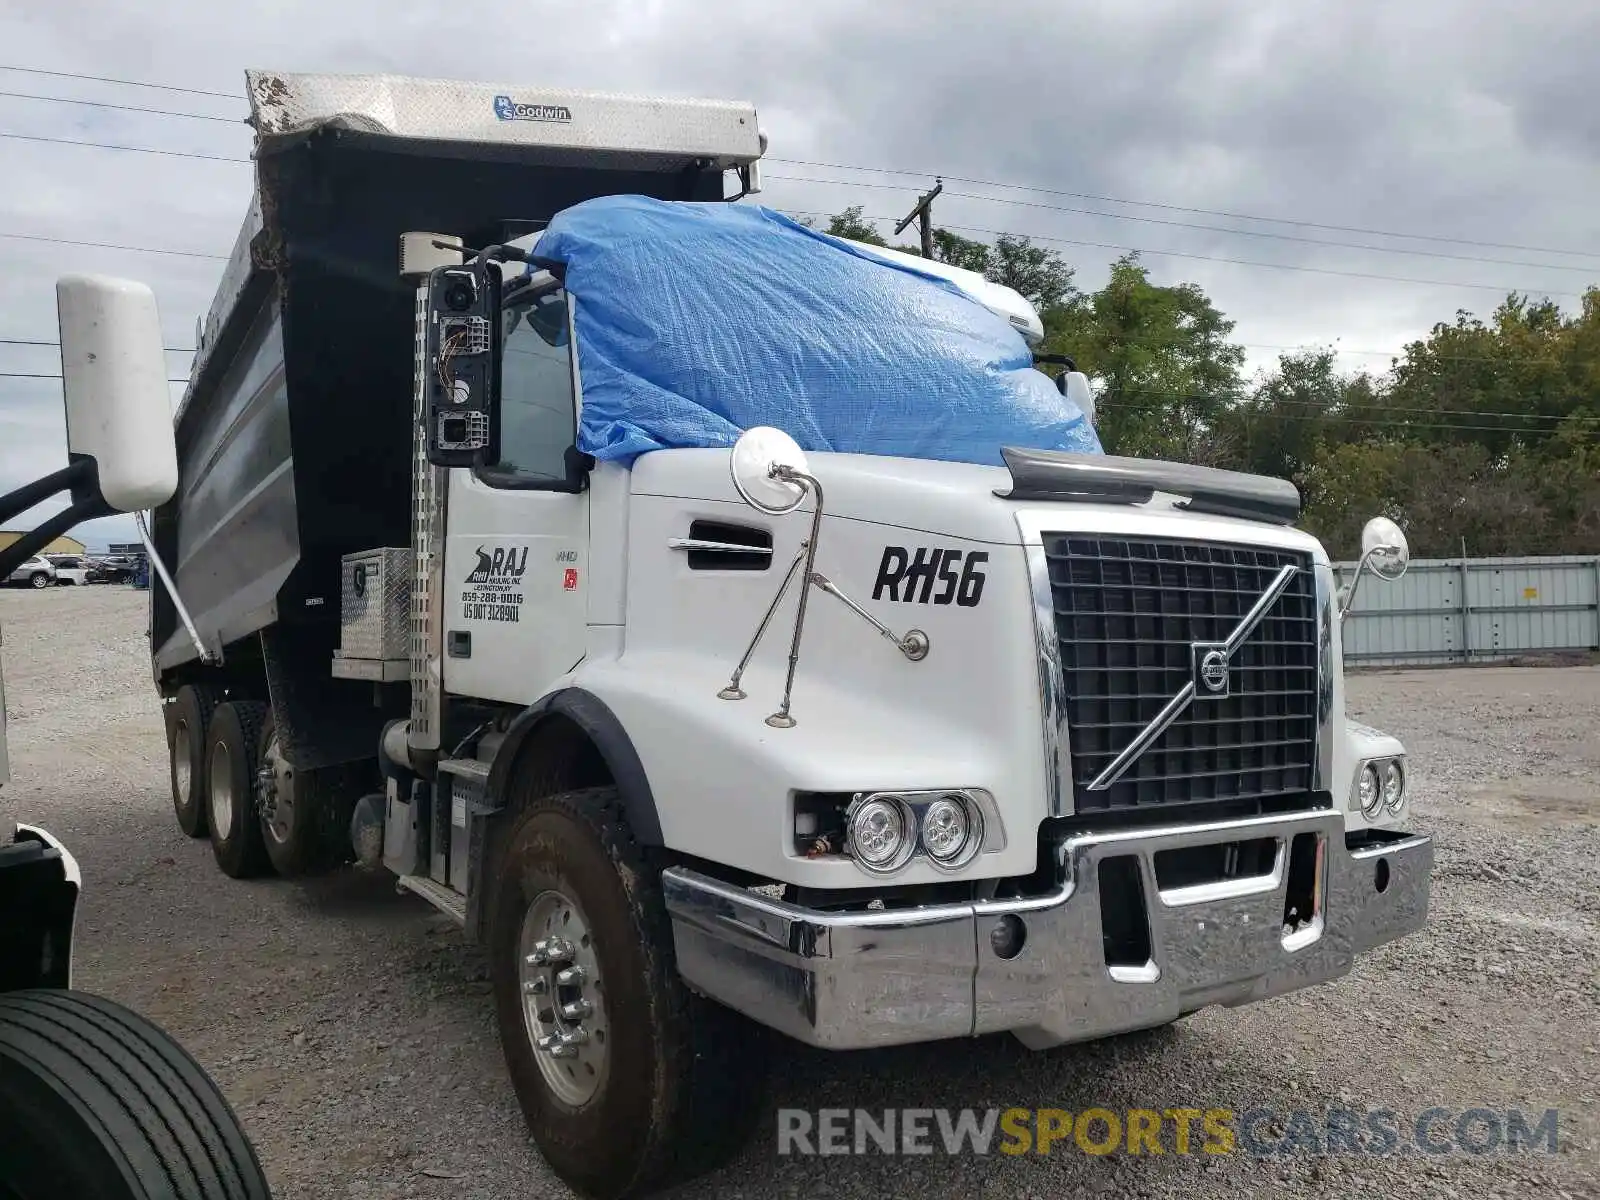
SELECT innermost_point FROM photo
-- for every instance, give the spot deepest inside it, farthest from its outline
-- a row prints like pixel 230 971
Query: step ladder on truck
pixel 728 625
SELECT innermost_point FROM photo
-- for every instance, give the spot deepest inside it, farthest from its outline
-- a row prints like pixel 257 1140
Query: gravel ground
pixel 351 1027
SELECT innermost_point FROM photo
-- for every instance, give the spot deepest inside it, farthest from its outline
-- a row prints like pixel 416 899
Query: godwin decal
pixel 931 575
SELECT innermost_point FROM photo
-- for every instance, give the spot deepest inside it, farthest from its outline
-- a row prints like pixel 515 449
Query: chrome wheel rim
pixel 275 791
pixel 182 771
pixel 563 998
pixel 221 781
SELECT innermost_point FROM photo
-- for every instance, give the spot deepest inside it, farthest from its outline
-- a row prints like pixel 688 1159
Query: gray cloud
pixel 1462 120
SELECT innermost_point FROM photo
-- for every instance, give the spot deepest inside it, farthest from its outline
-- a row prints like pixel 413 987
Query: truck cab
pixel 728 625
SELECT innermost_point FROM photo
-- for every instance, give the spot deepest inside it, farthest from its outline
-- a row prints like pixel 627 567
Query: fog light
pixel 1394 785
pixel 1007 936
pixel 951 831
pixel 1368 792
pixel 879 833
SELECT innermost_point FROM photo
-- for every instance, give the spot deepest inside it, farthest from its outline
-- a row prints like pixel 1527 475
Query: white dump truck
pixel 719 701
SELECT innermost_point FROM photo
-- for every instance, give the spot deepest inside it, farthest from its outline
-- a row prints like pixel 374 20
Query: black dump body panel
pixel 290 458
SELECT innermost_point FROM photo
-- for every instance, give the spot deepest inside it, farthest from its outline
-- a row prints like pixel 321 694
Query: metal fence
pixel 1473 610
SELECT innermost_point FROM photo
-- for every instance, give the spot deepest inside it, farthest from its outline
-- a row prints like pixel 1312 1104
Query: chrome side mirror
pixel 1385 550
pixel 768 468
pixel 1384 546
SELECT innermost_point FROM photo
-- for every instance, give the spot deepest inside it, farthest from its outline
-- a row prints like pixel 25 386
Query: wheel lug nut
pixel 550 952
pixel 538 985
pixel 557 1046
pixel 572 977
pixel 576 1010
pixel 559 949
pixel 574 1038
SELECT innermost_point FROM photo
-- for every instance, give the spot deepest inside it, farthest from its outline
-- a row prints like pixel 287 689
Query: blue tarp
pixel 698 321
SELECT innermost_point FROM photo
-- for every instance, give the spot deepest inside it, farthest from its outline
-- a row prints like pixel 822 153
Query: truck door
pixel 517 533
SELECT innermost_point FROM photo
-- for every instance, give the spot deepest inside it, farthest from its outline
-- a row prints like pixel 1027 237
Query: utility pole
pixel 923 215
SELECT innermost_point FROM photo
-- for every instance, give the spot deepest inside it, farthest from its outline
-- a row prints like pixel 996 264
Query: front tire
pixel 656 1085
pixel 95 1100
pixel 232 756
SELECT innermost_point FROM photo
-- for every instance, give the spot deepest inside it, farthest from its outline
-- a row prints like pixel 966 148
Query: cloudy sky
pixel 1470 125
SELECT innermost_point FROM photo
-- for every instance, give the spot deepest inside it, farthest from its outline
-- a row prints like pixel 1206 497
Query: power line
pixel 1399 352
pixel 1255 233
pixel 968 228
pixel 38 237
pixel 1314 347
pixel 1369 422
pixel 162 87
pixel 28 137
pixel 166 87
pixel 1245 404
pixel 134 108
pixel 42 342
pixel 57 375
pixel 1209 212
pixel 1242 262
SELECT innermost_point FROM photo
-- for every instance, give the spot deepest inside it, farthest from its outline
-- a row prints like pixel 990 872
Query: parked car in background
pixel 70 568
pixel 35 572
pixel 115 568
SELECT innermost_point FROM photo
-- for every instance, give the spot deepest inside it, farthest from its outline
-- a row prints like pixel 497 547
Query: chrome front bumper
pixel 860 979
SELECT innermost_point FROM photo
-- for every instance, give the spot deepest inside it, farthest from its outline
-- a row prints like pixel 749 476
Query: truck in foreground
pixel 728 626
pixel 95 1099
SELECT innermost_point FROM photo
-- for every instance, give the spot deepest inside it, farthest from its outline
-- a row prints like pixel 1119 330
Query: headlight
pixel 879 833
pixel 1394 785
pixel 1369 792
pixel 952 831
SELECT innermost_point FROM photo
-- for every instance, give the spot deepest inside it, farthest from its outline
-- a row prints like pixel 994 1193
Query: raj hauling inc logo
pixel 508 109
pixel 503 566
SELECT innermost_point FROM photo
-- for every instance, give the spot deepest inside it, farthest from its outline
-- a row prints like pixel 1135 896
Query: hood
pixel 956 500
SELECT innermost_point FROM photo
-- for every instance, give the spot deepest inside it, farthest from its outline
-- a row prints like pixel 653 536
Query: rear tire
pixel 38 580
pixel 232 756
pixel 677 1089
pixel 97 1101
pixel 186 751
pixel 305 825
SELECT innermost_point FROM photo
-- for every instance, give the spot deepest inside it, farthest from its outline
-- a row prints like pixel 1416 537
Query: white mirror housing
pixel 114 379
pixel 1080 393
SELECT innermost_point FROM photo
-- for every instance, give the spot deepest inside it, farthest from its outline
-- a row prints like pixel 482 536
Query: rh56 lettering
pixel 931 574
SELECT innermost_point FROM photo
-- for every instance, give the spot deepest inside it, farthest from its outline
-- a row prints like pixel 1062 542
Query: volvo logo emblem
pixel 1210 670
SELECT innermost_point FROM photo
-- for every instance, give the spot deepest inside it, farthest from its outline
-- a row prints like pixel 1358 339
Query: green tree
pixel 963 252
pixel 1165 374
pixel 1041 275
pixel 851 224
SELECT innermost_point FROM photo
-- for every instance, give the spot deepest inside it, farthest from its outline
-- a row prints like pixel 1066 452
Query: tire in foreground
pixel 97 1101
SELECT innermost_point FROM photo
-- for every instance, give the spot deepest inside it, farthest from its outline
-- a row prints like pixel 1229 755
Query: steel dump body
pixel 295 434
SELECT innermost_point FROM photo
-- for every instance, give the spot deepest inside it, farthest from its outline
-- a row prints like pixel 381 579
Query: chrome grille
pixel 1128 612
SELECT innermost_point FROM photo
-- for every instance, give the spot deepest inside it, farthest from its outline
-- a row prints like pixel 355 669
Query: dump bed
pixel 294 435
